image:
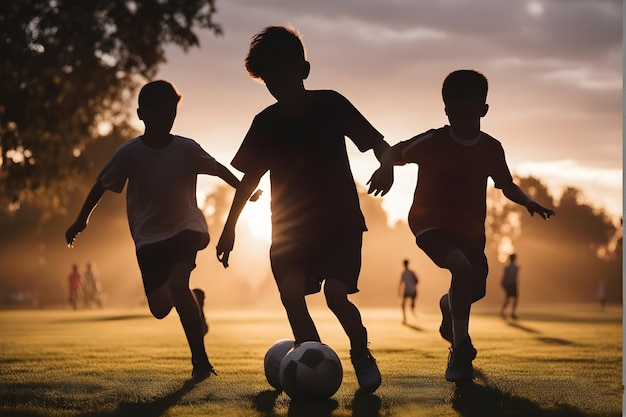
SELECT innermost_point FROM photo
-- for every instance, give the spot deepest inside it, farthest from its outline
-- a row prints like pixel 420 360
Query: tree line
pixel 68 74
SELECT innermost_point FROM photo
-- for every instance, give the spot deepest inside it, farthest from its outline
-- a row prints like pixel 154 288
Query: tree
pixel 69 70
pixel 563 258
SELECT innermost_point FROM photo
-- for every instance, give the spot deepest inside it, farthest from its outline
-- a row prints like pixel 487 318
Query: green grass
pixel 557 362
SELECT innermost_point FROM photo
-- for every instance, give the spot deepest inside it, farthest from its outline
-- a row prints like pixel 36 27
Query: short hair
pixel 465 84
pixel 157 93
pixel 274 47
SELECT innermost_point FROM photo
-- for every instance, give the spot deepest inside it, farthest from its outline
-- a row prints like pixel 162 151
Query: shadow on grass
pixel 547 340
pixel 363 404
pixel 155 408
pixel 414 327
pixel 527 329
pixel 475 400
pixel 119 317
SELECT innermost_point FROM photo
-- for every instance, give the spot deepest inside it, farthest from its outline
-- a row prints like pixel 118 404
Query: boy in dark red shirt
pixel 449 205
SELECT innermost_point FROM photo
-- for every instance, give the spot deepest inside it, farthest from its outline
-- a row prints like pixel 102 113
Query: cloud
pixel 554 66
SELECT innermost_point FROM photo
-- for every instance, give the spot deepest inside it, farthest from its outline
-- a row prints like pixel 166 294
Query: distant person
pixel 407 289
pixel 601 294
pixel 509 284
pixel 448 212
pixel 317 223
pixel 165 222
pixel 93 288
pixel 75 282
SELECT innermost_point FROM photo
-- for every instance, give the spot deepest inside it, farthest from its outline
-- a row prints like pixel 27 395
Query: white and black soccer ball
pixel 311 370
pixel 273 358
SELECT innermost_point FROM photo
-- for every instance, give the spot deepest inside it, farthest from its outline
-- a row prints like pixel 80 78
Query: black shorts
pixel 319 255
pixel 510 290
pixel 157 259
pixel 438 243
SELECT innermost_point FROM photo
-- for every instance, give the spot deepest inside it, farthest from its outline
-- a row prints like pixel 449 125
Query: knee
pixel 179 279
pixel 291 289
pixel 160 302
pixel 478 293
pixel 458 264
pixel 334 302
pixel 336 296
pixel 159 308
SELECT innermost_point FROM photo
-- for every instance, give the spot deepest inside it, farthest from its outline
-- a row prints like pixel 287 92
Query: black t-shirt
pixel 311 182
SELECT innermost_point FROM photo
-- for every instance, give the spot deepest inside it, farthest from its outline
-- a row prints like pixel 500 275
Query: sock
pixel 358 342
pixel 460 330
pixel 194 331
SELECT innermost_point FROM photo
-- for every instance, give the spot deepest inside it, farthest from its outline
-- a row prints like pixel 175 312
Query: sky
pixel 554 68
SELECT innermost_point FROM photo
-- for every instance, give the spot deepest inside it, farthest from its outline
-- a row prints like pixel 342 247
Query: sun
pixel 257 216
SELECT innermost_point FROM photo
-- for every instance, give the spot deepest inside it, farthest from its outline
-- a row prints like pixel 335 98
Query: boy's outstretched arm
pixel 91 201
pixel 380 149
pixel 517 195
pixel 227 239
pixel 382 179
pixel 225 174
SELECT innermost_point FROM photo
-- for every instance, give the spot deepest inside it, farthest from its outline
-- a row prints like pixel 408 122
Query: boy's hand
pixel 256 195
pixel 534 207
pixel 225 246
pixel 73 231
pixel 381 181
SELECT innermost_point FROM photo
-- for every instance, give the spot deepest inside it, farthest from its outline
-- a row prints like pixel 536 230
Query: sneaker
pixel 202 370
pixel 460 359
pixel 366 370
pixel 199 294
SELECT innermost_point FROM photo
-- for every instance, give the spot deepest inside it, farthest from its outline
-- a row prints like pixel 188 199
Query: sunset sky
pixel 554 67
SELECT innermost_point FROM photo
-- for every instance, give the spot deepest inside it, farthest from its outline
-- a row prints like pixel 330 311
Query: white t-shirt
pixel 161 194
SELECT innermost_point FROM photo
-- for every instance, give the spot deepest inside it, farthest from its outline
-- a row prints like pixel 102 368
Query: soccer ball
pixel 311 370
pixel 273 358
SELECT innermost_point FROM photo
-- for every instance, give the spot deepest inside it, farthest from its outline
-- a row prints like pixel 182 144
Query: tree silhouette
pixel 563 258
pixel 69 71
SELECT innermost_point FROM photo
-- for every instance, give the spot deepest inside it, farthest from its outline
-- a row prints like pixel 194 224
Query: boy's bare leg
pixel 160 301
pixel 349 316
pixel 292 289
pixel 504 306
pixel 514 308
pixel 460 298
pixel 190 318
pixel 460 294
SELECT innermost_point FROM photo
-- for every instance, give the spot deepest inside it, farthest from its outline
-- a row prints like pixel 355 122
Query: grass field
pixel 559 362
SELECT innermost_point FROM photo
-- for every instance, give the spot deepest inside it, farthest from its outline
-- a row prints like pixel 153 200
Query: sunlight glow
pixel 258 218
pixel 535 8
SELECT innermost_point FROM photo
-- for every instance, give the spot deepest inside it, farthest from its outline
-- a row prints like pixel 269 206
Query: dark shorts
pixel 319 255
pixel 510 290
pixel 438 243
pixel 157 259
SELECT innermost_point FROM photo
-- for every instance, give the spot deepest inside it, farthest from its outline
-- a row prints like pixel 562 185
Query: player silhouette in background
pixel 75 283
pixel 407 289
pixel 449 206
pixel 509 284
pixel 93 288
pixel 160 170
pixel 317 224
